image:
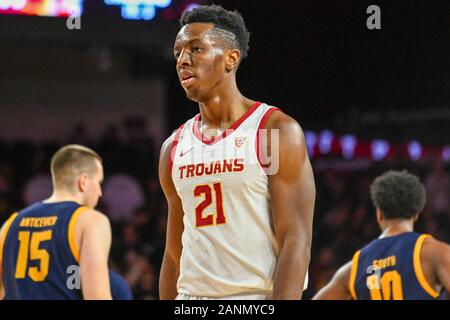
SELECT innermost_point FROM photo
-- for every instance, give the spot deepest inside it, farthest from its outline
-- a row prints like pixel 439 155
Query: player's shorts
pixel 182 296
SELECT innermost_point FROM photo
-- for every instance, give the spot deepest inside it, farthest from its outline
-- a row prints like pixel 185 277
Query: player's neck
pixel 396 227
pixel 224 108
pixel 62 196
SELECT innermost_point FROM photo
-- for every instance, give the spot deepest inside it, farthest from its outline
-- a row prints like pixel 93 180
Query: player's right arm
pixel 170 269
pixel 94 234
pixel 435 256
pixel 337 288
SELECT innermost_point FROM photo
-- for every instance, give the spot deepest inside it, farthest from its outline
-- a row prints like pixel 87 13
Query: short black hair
pixel 398 194
pixel 231 21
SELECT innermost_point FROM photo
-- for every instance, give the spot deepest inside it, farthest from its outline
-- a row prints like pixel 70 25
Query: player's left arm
pixel 337 288
pixel 438 254
pixel 292 195
pixel 95 243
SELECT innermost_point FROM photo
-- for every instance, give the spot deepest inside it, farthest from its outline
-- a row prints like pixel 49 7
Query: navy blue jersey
pixel 390 269
pixel 40 257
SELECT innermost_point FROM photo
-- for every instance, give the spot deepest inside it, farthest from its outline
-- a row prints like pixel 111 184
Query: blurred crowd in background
pixel 132 198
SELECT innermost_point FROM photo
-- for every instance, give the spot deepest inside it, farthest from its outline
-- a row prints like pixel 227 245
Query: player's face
pixel 200 61
pixel 94 188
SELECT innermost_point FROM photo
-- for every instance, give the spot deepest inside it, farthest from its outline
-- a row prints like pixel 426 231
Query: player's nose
pixel 184 59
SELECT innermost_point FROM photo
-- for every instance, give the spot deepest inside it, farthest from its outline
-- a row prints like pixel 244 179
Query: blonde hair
pixel 69 162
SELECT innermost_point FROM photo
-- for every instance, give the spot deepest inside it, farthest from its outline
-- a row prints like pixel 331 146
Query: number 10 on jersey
pixel 213 218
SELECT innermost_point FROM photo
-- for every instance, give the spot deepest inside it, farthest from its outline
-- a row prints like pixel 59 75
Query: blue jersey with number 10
pixel 390 269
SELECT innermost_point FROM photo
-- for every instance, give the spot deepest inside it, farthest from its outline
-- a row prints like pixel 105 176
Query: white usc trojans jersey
pixel 229 245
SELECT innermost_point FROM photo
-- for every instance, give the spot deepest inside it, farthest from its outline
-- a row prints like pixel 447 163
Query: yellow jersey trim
pixel 353 271
pixel 3 235
pixel 71 233
pixel 418 267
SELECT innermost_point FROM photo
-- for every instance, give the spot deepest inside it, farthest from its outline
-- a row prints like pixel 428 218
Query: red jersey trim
pixel 233 127
pixel 262 125
pixel 173 147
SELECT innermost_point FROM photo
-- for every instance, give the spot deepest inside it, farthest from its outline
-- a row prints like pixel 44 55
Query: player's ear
pixel 416 217
pixel 380 216
pixel 82 182
pixel 232 57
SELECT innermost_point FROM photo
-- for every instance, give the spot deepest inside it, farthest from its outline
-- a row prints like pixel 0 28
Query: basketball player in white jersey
pixel 239 227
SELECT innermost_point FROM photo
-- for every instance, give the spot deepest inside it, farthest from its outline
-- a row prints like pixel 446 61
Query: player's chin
pixel 193 94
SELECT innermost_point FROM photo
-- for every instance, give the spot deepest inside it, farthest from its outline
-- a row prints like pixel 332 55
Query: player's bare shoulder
pixel 93 218
pixel 165 164
pixel 166 148
pixel 290 136
pixel 165 153
pixel 433 249
pixel 285 123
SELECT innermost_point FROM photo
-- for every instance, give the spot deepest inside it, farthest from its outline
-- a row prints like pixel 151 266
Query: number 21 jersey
pixel 229 246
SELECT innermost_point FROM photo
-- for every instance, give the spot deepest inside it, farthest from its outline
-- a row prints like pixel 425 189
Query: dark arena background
pixel 368 101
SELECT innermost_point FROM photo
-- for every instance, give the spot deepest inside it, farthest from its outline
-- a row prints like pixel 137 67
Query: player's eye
pixel 197 49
